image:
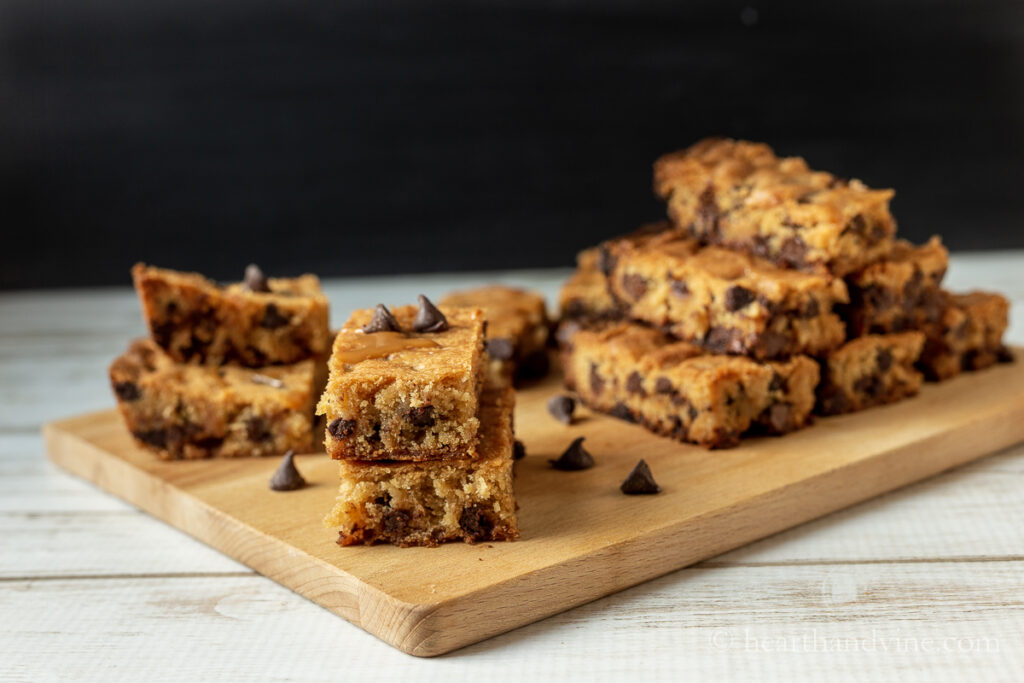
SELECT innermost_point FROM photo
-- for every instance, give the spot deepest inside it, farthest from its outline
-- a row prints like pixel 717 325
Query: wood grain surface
pixel 581 538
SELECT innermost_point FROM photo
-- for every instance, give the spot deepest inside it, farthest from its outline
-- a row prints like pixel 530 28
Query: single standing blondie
pixel 585 294
pixel 739 194
pixel 900 292
pixel 680 390
pixel 870 371
pixel 431 502
pixel 968 335
pixel 400 394
pixel 195 411
pixel 255 323
pixel 727 301
pixel 517 330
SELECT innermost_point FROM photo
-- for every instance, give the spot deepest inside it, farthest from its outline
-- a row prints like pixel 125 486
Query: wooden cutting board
pixel 581 538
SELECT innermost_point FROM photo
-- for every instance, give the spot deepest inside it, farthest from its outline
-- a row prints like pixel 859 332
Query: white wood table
pixel 926 583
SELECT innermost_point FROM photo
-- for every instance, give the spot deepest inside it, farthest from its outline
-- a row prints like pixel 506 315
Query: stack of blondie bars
pixel 772 293
pixel 424 440
pixel 227 370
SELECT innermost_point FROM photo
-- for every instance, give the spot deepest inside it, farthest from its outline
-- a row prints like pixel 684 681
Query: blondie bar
pixel 431 502
pixel 195 411
pixel 900 292
pixel 739 194
pixel 727 301
pixel 967 336
pixel 517 330
pixel 585 294
pixel 398 394
pixel 680 390
pixel 255 323
pixel 870 371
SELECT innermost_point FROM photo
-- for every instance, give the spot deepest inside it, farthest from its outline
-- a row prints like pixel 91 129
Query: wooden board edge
pixel 590 577
pixel 382 615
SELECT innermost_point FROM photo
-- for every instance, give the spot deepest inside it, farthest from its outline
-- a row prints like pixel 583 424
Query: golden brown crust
pixel 680 390
pixel 870 371
pixel 427 503
pixel 194 411
pixel 741 195
pixel 195 320
pixel 727 301
pixel 417 401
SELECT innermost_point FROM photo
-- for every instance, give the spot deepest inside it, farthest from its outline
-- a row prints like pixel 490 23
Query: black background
pixel 354 138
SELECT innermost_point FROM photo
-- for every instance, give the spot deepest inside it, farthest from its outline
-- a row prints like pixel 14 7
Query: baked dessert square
pixel 517 330
pixel 431 502
pixel 680 390
pixel 968 335
pixel 278 321
pixel 727 301
pixel 870 371
pixel 741 195
pixel 399 394
pixel 900 292
pixel 193 411
pixel 585 294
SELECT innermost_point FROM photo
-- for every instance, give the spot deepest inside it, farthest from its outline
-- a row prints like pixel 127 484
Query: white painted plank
pixel 929 622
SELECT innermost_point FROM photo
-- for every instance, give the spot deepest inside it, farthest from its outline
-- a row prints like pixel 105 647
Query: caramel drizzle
pixel 378 345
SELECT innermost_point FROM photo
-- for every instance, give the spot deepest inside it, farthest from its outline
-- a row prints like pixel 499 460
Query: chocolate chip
pixel 272 318
pixel 793 252
pixel 255 280
pixel 663 386
pixel 500 349
pixel 725 340
pixel 382 321
pixel 737 297
pixel 422 416
pixel 1004 355
pixel 884 359
pixel 287 477
pixel 341 428
pixel 780 417
pixel 679 288
pixel 428 317
pixel 257 429
pixel 869 385
pixel 395 522
pixel 857 225
pixel 266 381
pixel 639 481
pixel 561 408
pixel 634 285
pixel 596 382
pixel 622 411
pixel 770 344
pixel 476 521
pixel 635 384
pixel 127 391
pixel 518 450
pixel 705 221
pixel 811 310
pixel 574 458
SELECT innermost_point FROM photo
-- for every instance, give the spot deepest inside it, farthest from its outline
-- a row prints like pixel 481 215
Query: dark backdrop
pixel 379 137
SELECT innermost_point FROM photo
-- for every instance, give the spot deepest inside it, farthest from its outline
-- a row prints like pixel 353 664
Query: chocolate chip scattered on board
pixel 639 481
pixel 561 408
pixel 575 458
pixel 286 476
